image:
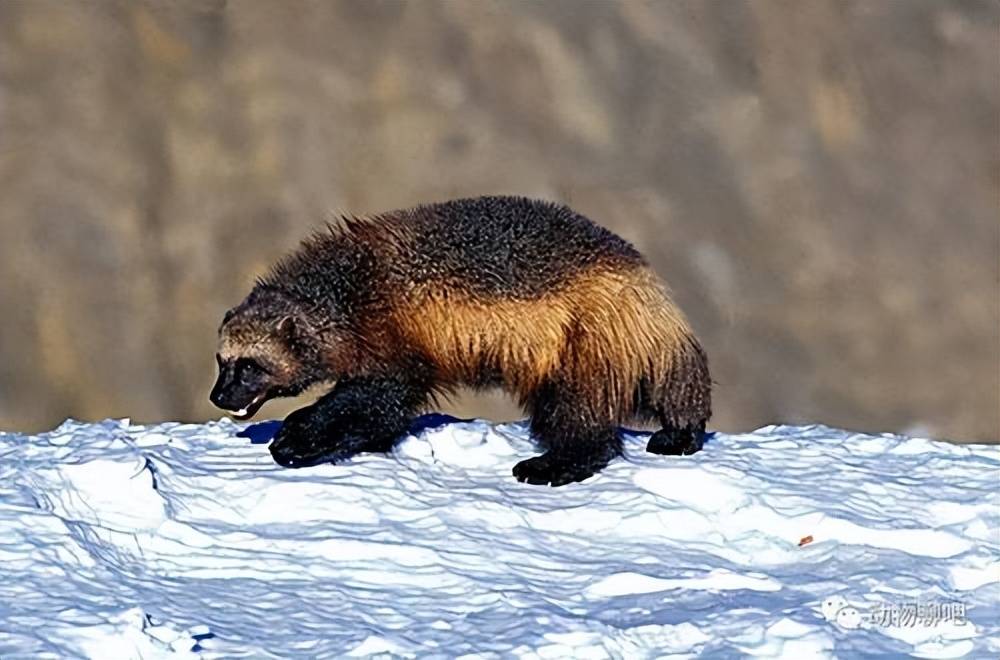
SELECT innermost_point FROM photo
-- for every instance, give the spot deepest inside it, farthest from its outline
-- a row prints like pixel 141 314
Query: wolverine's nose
pixel 216 397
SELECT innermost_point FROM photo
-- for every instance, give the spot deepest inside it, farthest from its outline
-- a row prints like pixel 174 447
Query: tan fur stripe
pixel 605 331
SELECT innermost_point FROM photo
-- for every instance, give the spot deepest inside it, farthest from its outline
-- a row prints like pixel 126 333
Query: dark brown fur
pixel 498 291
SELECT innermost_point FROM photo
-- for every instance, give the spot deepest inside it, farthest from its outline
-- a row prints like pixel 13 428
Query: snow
pixel 185 540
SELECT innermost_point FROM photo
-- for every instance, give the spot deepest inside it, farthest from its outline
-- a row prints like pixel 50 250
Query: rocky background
pixel 817 180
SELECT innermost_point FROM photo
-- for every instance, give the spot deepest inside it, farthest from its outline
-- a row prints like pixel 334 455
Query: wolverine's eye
pixel 246 366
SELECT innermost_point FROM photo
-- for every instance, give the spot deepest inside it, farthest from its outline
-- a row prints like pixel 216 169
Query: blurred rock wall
pixel 818 181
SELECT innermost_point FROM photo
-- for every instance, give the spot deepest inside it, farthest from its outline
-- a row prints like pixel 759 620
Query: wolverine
pixel 398 308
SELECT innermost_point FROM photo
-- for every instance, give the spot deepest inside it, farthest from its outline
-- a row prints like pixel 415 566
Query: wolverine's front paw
pixel 551 470
pixel 308 437
pixel 302 441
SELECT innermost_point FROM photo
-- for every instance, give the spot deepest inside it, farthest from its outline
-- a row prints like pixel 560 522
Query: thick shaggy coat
pixel 493 291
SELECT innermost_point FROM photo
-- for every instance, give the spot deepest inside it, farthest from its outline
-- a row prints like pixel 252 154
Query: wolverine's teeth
pixel 243 412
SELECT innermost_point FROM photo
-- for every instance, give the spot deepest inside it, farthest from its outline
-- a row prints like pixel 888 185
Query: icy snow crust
pixel 183 540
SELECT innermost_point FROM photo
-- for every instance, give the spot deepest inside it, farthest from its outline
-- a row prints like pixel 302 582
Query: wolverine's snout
pixel 238 390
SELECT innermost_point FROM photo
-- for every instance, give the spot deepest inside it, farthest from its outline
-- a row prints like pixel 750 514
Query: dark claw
pixel 290 456
pixel 304 441
pixel 547 470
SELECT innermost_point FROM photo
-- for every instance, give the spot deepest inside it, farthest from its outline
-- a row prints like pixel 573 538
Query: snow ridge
pixel 184 540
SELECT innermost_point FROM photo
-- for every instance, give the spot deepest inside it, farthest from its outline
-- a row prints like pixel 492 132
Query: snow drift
pixel 182 540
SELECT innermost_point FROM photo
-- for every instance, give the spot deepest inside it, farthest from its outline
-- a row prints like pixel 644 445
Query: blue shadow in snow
pixel 433 421
pixel 261 432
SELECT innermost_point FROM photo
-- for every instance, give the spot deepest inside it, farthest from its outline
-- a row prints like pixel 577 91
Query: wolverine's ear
pixel 287 328
pixel 229 314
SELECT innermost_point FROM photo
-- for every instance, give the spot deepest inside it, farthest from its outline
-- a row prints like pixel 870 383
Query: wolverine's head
pixel 263 354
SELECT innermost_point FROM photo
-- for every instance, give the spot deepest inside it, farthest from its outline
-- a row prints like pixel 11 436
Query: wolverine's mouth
pixel 251 408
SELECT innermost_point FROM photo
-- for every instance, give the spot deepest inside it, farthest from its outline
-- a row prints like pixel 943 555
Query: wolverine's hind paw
pixel 551 470
pixel 676 442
